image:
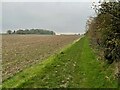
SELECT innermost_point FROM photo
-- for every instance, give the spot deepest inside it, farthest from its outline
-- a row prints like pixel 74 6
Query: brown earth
pixel 21 51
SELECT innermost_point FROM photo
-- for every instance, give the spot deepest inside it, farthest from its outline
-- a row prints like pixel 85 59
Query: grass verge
pixel 73 67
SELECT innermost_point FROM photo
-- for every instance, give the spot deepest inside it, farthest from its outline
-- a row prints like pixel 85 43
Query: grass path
pixel 75 67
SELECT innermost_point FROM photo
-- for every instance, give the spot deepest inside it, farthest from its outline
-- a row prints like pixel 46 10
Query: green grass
pixel 74 67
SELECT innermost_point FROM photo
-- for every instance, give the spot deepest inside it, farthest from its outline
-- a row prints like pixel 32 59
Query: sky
pixel 61 17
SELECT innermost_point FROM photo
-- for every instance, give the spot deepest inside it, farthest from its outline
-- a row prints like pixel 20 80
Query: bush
pixel 104 29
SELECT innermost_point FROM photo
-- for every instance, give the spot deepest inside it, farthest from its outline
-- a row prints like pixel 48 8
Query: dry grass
pixel 21 51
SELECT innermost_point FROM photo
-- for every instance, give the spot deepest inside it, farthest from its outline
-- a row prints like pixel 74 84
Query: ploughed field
pixel 21 51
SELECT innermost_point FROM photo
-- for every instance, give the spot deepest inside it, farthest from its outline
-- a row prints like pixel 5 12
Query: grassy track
pixel 74 67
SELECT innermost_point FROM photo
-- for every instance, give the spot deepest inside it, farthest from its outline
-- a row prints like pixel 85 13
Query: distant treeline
pixel 31 31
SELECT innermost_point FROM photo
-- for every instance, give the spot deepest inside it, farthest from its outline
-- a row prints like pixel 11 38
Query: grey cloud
pixel 62 17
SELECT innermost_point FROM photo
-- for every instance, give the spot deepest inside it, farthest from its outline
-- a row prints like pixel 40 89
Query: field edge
pixel 26 75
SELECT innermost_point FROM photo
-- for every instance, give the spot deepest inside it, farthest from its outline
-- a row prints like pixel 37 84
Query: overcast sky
pixel 61 17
